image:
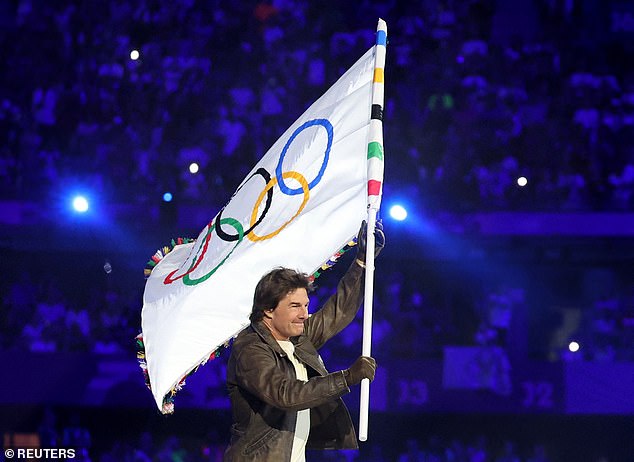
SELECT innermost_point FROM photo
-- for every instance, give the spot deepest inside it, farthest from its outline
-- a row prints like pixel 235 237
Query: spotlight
pixel 167 197
pixel 193 167
pixel 522 181
pixel 574 347
pixel 398 212
pixel 80 204
pixel 134 55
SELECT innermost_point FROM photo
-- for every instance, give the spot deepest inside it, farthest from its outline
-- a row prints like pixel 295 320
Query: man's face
pixel 287 319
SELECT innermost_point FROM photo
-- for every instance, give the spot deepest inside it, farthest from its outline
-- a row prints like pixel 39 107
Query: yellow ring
pixel 254 214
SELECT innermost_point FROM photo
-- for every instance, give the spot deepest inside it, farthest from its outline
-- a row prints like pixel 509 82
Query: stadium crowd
pixel 478 95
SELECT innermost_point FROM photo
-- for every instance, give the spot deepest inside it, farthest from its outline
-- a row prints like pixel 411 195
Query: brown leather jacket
pixel 265 395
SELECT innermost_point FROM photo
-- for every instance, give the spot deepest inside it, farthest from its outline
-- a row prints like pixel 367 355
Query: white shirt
pixel 302 427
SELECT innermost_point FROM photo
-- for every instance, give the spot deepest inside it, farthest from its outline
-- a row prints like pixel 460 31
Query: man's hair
pixel 273 287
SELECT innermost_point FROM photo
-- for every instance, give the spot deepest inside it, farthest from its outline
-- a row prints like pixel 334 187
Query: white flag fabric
pixel 301 203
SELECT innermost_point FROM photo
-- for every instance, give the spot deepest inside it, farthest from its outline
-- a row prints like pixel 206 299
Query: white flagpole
pixel 366 349
pixel 375 180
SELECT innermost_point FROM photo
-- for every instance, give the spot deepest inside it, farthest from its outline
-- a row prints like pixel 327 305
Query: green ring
pixel 225 221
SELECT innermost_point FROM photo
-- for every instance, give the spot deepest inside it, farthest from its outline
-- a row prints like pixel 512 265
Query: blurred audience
pixel 422 307
pixel 89 94
pixel 62 430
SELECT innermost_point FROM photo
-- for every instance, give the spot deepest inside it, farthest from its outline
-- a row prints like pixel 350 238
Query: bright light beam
pixel 80 204
pixel 398 212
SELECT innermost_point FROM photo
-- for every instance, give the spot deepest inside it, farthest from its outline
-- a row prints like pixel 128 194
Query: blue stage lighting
pixel 167 197
pixel 80 204
pixel 398 212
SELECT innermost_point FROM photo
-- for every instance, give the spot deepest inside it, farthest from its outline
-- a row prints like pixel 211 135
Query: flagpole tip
pixel 382 25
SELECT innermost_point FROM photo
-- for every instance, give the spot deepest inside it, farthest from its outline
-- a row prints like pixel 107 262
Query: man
pixel 283 399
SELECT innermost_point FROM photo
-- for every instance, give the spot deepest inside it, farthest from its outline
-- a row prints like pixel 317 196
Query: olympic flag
pixel 299 205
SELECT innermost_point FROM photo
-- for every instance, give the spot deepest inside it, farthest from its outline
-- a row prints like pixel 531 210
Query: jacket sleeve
pixel 339 310
pixel 259 372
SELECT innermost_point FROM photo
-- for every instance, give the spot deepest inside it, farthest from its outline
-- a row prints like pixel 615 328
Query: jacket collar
pixel 266 335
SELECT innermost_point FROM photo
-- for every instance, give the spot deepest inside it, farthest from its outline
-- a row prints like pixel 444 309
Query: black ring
pixel 269 198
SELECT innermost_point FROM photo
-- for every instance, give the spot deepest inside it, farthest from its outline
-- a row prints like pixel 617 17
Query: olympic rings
pixel 305 188
pixel 278 170
pixel 198 254
pixel 269 198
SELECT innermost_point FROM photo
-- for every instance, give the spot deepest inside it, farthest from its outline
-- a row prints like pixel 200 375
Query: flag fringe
pixel 162 252
pixel 332 261
pixel 168 399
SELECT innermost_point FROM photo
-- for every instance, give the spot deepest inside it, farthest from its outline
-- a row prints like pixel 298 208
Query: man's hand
pixel 379 240
pixel 363 368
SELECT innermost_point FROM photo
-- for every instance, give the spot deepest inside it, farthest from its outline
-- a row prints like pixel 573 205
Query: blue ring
pixel 278 170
